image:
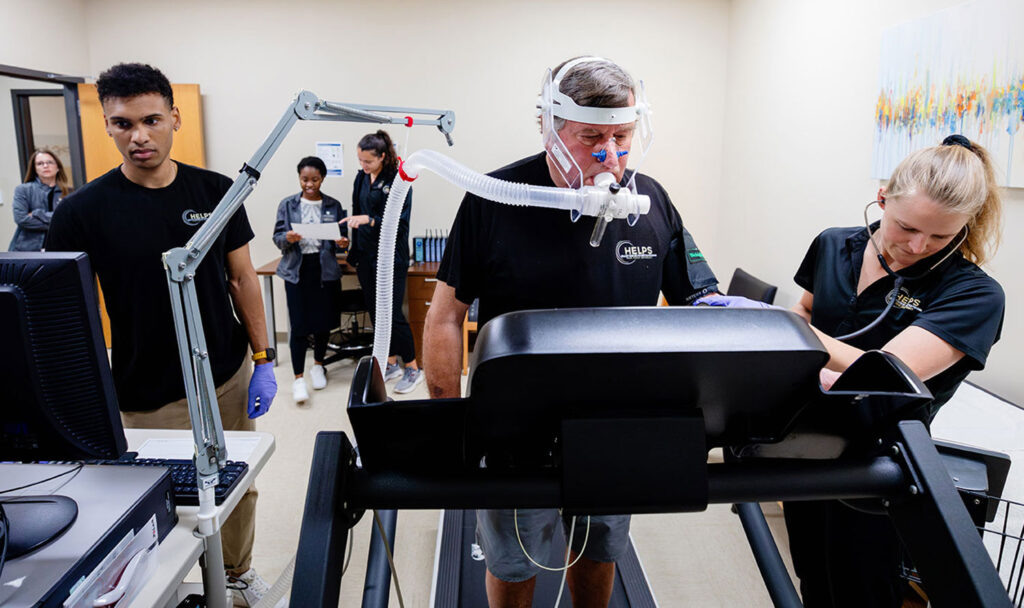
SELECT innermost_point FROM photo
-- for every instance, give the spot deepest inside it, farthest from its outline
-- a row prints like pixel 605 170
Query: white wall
pixel 10 170
pixel 797 143
pixel 763 107
pixel 46 36
pixel 484 60
pixel 41 36
pixel 50 127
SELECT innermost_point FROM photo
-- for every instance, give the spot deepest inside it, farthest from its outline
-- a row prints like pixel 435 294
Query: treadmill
pixel 621 441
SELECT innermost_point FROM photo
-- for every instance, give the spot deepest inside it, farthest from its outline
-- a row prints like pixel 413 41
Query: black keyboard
pixel 183 475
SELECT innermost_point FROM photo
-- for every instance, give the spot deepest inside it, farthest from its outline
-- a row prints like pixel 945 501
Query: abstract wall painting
pixel 960 70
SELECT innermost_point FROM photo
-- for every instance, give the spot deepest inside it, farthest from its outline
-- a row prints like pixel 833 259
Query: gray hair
pixel 595 84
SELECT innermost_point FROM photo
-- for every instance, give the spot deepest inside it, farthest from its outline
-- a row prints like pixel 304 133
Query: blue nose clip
pixel 603 155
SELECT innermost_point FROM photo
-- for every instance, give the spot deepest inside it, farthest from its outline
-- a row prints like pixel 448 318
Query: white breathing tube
pixel 607 201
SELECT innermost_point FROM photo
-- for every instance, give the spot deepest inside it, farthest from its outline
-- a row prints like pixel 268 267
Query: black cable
pixel 5 524
pixel 892 300
pixel 892 273
pixel 36 483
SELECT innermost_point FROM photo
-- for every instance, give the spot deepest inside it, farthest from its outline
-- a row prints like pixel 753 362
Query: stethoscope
pixel 899 278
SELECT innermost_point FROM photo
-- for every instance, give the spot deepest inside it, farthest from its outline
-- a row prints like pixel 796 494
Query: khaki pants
pixel 240 528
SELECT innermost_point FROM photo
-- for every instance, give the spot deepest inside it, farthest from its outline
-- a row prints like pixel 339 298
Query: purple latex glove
pixel 262 388
pixel 730 302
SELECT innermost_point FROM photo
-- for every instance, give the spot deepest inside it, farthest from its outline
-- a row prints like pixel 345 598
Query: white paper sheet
pixel 174 449
pixel 239 448
pixel 326 232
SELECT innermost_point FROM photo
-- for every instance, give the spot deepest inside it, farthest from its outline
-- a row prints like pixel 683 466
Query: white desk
pixel 180 550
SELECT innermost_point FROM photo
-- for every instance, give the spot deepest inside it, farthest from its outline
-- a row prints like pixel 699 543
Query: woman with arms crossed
pixel 35 199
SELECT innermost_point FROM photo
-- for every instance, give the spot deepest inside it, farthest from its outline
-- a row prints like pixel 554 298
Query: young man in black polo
pixel 124 220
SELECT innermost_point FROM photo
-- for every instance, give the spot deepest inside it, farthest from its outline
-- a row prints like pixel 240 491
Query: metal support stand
pixel 212 566
pixel 377 585
pixel 766 554
pixel 268 312
pixel 181 265
pixel 932 520
pixel 325 523
pixel 936 529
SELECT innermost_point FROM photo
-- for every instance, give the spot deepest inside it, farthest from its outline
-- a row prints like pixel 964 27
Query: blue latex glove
pixel 262 388
pixel 731 302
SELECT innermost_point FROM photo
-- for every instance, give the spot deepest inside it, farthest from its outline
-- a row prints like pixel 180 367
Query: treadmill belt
pixel 460 578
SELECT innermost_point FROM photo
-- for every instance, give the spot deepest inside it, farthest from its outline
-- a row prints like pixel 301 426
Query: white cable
pixel 348 556
pixel 590 200
pixel 391 559
pixel 283 584
pixel 568 552
pixel 515 518
pixel 280 588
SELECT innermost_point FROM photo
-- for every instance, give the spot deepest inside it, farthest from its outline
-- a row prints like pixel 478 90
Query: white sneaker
pixel 299 393
pixel 410 380
pixel 248 588
pixel 318 375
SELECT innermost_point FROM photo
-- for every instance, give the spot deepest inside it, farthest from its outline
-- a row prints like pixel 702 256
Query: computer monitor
pixel 58 400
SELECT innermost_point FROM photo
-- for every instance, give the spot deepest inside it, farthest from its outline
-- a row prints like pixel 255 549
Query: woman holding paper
pixel 379 166
pixel 312 277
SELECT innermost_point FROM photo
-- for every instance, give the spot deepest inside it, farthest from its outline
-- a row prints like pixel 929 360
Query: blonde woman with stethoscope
pixel 909 284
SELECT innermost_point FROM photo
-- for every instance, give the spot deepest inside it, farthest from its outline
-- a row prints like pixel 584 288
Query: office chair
pixel 354 336
pixel 747 285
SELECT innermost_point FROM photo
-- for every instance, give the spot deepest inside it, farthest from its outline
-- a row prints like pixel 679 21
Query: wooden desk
pixel 268 271
pixel 419 288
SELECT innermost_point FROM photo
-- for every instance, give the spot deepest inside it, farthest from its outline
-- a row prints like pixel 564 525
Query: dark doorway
pixel 40 122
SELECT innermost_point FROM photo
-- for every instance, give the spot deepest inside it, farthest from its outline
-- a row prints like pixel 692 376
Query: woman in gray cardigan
pixel 34 201
pixel 309 267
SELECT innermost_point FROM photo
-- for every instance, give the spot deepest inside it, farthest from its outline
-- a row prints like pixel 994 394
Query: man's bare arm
pixel 244 286
pixel 442 343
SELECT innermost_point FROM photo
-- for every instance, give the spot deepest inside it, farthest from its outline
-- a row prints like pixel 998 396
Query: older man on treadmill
pixel 593 119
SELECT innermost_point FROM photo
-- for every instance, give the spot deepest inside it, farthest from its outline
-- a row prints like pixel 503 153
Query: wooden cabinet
pixel 419 289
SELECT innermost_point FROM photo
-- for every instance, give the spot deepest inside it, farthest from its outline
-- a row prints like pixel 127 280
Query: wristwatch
pixel 265 355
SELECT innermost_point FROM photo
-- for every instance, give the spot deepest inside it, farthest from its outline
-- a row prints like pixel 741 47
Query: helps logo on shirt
pixel 192 217
pixel 627 253
pixel 904 300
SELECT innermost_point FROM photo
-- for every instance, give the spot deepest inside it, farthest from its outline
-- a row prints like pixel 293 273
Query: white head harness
pixel 554 103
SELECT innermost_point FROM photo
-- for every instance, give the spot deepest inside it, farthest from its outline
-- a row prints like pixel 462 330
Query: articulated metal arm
pixel 305 107
pixel 181 263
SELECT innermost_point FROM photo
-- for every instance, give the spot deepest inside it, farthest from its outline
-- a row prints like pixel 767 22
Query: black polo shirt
pixel 370 199
pixel 956 301
pixel 521 258
pixel 125 228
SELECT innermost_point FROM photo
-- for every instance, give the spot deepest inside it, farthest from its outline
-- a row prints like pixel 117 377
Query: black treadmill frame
pixel 894 464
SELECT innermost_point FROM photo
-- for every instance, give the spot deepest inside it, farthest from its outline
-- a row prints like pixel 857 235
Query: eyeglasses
pixel 43 163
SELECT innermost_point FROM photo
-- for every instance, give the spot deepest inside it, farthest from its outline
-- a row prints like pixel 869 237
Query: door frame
pixel 69 91
pixel 20 101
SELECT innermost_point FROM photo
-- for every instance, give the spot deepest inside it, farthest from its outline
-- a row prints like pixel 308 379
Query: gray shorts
pixel 496 535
